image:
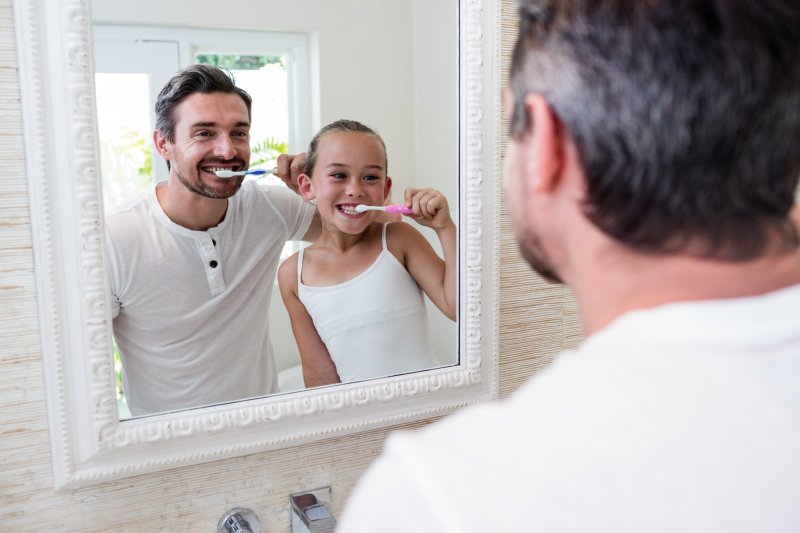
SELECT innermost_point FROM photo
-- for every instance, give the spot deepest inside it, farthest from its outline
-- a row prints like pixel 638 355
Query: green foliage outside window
pixel 238 62
pixel 267 150
pixel 127 164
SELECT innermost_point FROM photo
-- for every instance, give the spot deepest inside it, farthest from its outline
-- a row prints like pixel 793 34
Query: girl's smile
pixel 349 210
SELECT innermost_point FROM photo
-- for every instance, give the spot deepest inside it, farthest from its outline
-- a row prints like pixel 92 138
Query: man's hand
pixel 289 167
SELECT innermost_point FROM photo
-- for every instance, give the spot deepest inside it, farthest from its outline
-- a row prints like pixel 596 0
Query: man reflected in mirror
pixel 192 262
pixel 653 165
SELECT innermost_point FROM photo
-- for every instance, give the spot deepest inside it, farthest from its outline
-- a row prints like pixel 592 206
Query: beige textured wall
pixel 536 322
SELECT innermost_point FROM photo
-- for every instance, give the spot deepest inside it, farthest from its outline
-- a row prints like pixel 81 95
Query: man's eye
pixel 203 133
pixel 371 178
pixel 241 134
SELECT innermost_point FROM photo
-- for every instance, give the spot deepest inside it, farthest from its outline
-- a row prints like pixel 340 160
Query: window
pixel 132 64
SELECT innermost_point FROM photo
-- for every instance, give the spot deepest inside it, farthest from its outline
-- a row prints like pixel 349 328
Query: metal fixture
pixel 239 520
pixel 311 511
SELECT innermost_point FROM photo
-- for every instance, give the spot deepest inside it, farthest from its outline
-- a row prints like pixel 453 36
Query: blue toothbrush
pixel 256 172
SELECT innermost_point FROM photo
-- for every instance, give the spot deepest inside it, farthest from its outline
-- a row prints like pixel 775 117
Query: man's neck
pixel 189 209
pixel 618 282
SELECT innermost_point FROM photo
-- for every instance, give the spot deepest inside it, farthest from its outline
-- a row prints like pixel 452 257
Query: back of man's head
pixel 685 114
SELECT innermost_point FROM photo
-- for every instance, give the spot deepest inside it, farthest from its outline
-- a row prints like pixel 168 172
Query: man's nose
pixel 224 147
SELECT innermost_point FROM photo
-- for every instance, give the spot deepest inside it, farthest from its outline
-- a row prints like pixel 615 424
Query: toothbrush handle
pixel 260 171
pixel 398 209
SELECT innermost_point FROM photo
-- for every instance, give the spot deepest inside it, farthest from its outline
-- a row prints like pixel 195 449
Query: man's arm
pixel 288 169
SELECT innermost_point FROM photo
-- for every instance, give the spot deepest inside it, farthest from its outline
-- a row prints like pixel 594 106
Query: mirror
pixel 90 443
pixel 393 67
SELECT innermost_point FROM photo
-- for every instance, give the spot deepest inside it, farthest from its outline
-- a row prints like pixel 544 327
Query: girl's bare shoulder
pixel 287 271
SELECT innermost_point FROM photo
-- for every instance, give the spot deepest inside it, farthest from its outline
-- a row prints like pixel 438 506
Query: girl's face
pixel 350 169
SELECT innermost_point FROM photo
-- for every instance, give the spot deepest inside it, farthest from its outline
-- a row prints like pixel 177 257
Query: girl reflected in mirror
pixel 354 297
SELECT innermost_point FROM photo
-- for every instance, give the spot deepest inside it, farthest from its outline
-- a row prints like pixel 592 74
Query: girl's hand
pixel 430 208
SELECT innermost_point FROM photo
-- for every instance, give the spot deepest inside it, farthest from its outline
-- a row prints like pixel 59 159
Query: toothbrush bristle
pixel 360 208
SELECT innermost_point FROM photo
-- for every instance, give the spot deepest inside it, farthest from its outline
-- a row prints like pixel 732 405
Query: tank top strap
pixel 300 265
pixel 383 239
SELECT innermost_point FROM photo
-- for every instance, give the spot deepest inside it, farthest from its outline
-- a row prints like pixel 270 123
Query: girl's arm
pixel 437 277
pixel 318 367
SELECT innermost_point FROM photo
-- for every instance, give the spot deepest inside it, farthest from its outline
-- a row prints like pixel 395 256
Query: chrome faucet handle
pixel 311 511
pixel 239 520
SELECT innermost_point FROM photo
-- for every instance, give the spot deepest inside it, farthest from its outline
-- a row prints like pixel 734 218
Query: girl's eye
pixel 371 178
pixel 339 175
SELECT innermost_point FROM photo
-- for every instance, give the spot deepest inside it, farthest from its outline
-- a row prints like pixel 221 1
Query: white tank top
pixel 373 325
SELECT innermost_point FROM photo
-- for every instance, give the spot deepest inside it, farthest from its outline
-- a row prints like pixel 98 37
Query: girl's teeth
pixel 348 210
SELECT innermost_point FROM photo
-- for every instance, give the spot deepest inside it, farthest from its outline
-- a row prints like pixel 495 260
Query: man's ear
pixel 163 146
pixel 545 145
pixel 304 187
pixel 387 189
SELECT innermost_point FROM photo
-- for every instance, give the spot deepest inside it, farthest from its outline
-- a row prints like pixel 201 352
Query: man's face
pixel 212 132
pixel 522 207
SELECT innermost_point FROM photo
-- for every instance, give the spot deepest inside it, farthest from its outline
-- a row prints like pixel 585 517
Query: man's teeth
pixel 214 169
pixel 348 209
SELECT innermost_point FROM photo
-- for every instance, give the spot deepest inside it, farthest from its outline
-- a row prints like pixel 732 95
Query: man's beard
pixel 198 187
pixel 530 247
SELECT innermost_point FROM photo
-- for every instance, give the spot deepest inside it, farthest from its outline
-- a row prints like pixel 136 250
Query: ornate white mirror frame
pixel 89 442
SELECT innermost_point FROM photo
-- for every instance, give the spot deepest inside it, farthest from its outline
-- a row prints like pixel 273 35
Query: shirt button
pixel 213 264
pixel 213 241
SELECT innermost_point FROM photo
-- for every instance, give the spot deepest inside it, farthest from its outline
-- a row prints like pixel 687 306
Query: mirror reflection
pixel 393 69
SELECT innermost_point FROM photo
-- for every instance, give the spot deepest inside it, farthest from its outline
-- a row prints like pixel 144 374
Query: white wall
pixel 435 46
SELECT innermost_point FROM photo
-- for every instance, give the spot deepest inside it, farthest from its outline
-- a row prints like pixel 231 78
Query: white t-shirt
pixel 682 418
pixel 373 325
pixel 190 308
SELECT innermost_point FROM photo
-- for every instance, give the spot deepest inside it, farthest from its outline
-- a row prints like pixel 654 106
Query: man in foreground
pixel 653 165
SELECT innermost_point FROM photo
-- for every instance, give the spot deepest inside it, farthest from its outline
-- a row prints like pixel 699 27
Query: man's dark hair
pixel 685 115
pixel 193 79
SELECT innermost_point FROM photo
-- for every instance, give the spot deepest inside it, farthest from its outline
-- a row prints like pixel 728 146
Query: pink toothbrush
pixel 387 208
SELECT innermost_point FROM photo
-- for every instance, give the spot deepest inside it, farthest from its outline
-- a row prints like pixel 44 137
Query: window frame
pixel 192 41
